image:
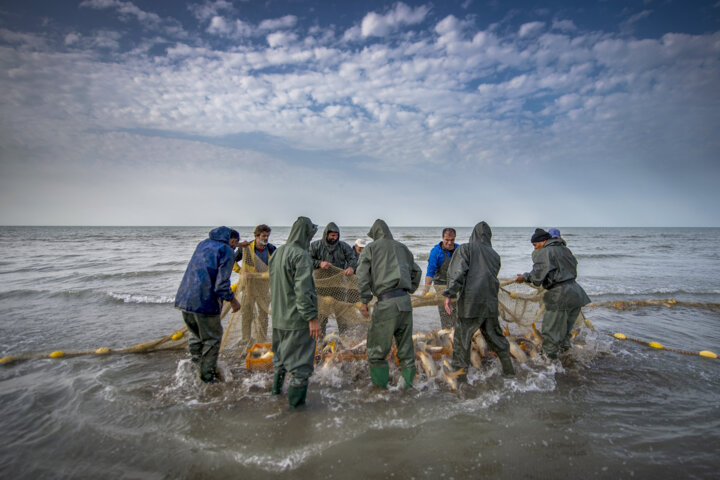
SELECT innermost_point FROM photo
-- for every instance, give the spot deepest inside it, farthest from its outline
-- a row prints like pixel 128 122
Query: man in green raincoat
pixel 328 252
pixel 293 303
pixel 386 269
pixel 555 269
pixel 472 273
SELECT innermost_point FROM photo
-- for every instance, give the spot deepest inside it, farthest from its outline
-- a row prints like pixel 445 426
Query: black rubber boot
pixel 296 396
pixel 278 380
pixel 507 365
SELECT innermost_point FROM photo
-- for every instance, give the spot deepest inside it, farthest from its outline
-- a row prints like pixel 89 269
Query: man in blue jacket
pixel 437 269
pixel 204 286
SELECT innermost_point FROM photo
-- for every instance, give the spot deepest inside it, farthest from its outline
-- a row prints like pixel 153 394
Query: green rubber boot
pixel 507 366
pixel 278 380
pixel 296 396
pixel 408 375
pixel 380 376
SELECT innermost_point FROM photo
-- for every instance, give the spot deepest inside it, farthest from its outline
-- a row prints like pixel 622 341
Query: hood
pixel 481 234
pixel 555 241
pixel 380 230
pixel 331 227
pixel 302 232
pixel 220 234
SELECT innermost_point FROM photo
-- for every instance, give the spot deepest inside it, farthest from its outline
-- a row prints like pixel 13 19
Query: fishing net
pixel 520 306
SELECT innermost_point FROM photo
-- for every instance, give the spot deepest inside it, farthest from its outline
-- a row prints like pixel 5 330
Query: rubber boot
pixel 296 396
pixel 507 366
pixel 408 375
pixel 380 376
pixel 278 380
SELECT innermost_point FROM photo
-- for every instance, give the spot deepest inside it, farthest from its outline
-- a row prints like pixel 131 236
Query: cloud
pixel 208 10
pixel 530 29
pixel 517 103
pixel 381 25
pixel 126 9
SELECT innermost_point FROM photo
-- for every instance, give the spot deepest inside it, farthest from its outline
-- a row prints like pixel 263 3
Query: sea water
pixel 620 409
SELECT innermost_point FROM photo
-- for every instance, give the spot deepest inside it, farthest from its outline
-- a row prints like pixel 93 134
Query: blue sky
pixel 519 113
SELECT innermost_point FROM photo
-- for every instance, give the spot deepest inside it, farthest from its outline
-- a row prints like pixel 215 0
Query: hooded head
pixel 220 234
pixel 331 228
pixel 482 234
pixel 302 232
pixel 380 230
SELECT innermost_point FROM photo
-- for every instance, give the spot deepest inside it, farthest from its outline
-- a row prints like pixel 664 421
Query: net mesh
pixel 520 307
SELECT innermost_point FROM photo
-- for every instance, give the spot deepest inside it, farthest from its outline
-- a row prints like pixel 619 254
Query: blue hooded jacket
pixel 207 278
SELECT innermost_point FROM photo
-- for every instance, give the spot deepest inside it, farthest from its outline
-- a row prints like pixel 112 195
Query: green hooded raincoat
pixel 387 265
pixel 293 303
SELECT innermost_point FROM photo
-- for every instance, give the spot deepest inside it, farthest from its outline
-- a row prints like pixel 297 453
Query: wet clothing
pixel 206 282
pixel 386 269
pixel 294 304
pixel 465 328
pixel 342 256
pixel 255 301
pixel 472 274
pixel 437 259
pixel 204 342
pixel 555 269
pixel 438 263
pixel 204 286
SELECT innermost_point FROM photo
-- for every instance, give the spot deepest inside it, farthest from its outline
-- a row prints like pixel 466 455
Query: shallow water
pixel 616 409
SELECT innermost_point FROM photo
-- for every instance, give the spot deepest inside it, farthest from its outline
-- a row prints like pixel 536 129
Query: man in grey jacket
pixel 472 273
pixel 328 252
pixel 555 269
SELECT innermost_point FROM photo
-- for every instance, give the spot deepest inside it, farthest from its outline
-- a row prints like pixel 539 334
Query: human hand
pixel 349 271
pixel 315 329
pixel 325 265
pixel 234 304
pixel 448 307
pixel 520 278
pixel 364 310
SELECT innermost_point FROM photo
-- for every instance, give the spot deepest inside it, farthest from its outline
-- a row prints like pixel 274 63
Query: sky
pixel 519 113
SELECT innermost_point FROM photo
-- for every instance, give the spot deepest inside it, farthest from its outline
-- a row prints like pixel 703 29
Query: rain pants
pixel 555 269
pixel 472 273
pixel 204 286
pixel 294 303
pixel 386 267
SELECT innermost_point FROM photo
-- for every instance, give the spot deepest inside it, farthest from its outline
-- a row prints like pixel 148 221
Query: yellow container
pixel 256 360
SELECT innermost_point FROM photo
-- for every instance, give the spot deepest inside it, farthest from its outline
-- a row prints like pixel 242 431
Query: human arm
pixel 304 287
pixel 457 271
pixel 363 273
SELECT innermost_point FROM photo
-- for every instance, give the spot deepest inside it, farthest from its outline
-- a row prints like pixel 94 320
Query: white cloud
pixel 208 10
pixel 288 21
pixel 379 25
pixel 124 8
pixel 448 94
pixel 530 29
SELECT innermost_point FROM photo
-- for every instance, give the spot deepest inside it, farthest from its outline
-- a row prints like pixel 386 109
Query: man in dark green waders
pixel 555 269
pixel 293 303
pixel 387 270
pixel 472 273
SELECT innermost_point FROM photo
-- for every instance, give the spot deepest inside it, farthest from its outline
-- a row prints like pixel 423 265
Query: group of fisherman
pixel 385 269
